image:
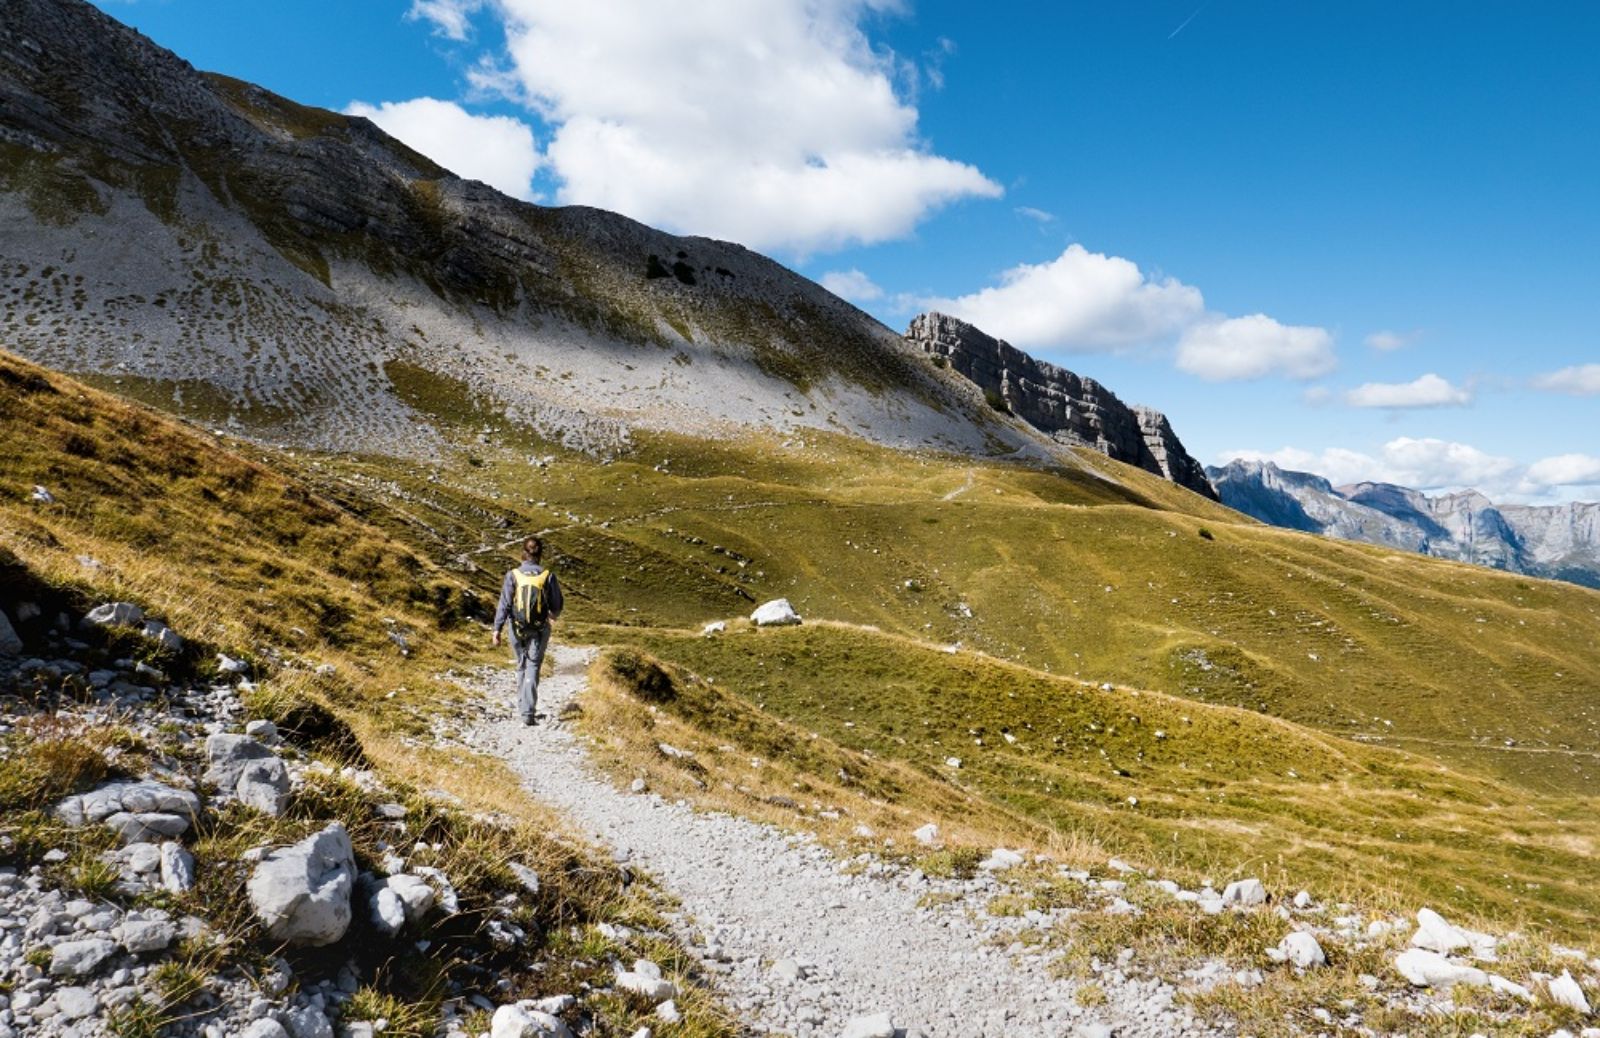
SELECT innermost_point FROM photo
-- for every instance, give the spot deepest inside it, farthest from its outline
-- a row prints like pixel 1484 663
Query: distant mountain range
pixel 1561 542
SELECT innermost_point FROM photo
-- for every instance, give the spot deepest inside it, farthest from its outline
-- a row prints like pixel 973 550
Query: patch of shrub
pixel 642 676
pixel 996 401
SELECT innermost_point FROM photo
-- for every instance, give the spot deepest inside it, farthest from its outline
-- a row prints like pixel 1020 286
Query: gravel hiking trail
pixel 799 945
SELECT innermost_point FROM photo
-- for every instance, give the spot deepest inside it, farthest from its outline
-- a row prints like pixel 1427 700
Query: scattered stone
pixel 387 911
pixel 228 754
pixel 1434 934
pixel 777 613
pixel 147 935
pixel 875 1025
pixel 177 867
pixel 522 1020
pixel 266 1027
pixel 75 1003
pixel 639 785
pixel 1303 900
pixel 789 970
pixel 307 1022
pixel 1429 969
pixel 41 496
pixel 1000 859
pixel 1564 991
pixel 262 731
pixel 525 876
pixel 114 614
pixel 80 958
pixel 228 665
pixel 264 785
pixel 1244 892
pixel 414 893
pixel 927 835
pixel 302 892
pixel 164 637
pixel 668 1012
pixel 1302 949
pixel 714 627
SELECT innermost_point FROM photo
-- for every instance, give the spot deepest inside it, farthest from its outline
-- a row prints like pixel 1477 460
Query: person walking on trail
pixel 530 597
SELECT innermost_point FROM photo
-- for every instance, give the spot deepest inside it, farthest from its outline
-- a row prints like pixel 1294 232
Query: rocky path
pixel 804 948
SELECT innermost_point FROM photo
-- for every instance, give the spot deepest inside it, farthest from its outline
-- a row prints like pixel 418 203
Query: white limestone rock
pixel 177 867
pixel 1244 893
pixel 302 892
pixel 777 613
pixel 1564 991
pixel 523 1020
pixel 1429 969
pixel 874 1025
pixel 1302 949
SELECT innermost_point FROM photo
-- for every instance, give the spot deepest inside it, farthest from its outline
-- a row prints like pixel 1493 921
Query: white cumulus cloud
pixel 775 124
pixel 1579 380
pixel 852 284
pixel 1225 349
pixel 1429 390
pixel 451 19
pixel 1080 300
pixel 1564 470
pixel 496 149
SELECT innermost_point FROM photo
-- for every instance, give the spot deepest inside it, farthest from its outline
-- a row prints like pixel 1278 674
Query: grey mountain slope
pixel 243 257
pixel 238 257
pixel 1560 542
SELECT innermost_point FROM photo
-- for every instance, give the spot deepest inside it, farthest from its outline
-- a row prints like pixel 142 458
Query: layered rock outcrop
pixel 1059 403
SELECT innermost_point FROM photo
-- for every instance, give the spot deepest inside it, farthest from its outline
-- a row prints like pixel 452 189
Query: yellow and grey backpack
pixel 528 610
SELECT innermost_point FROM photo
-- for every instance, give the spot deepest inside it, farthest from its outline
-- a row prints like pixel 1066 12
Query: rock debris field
pixel 804 947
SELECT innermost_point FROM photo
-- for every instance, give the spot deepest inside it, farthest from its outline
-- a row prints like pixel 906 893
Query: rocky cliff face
pixel 1560 542
pixel 1057 402
pixel 241 258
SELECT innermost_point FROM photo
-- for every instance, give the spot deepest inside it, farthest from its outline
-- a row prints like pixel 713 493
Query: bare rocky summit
pixel 1067 407
pixel 1561 542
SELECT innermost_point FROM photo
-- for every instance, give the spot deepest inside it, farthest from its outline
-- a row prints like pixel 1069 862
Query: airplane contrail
pixel 1189 19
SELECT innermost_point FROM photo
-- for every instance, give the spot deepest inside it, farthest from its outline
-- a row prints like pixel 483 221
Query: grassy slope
pixel 1066 572
pixel 652 546
pixel 244 559
pixel 1068 576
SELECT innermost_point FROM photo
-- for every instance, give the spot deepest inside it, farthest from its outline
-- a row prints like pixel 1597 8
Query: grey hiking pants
pixel 530 657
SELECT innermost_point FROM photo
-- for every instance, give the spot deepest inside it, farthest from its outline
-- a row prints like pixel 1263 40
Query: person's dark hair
pixel 532 549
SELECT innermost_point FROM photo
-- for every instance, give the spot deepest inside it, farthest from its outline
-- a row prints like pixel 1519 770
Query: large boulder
pixel 1434 934
pixel 1245 892
pixel 228 754
pixel 301 893
pixel 777 613
pixel 264 785
pixel 138 811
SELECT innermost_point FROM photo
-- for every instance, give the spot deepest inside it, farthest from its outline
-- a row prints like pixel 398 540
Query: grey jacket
pixel 508 587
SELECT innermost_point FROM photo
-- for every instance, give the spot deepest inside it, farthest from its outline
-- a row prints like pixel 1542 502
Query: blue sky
pixel 1359 237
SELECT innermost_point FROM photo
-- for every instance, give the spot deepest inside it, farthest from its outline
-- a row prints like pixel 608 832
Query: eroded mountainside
pixel 1062 405
pixel 1557 541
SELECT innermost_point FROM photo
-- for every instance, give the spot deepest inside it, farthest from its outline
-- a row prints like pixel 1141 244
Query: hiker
pixel 530 598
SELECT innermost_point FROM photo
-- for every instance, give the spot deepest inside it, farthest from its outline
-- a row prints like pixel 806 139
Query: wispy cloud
pixel 1389 341
pixel 1039 216
pixel 851 284
pixel 1579 380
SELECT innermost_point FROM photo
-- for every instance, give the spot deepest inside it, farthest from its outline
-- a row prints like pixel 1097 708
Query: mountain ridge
pixel 1059 403
pixel 298 275
pixel 1560 542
